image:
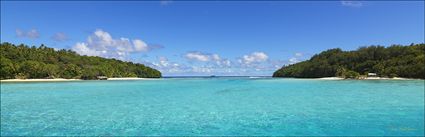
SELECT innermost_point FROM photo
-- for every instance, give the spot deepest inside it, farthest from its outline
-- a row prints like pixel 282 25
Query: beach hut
pixel 102 78
pixel 371 75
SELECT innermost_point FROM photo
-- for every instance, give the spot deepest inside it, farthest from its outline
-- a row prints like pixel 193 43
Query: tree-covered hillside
pixel 21 61
pixel 393 61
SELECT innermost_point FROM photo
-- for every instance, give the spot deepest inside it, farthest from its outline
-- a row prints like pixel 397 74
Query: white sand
pixel 331 78
pixel 368 78
pixel 382 78
pixel 38 80
pixel 62 79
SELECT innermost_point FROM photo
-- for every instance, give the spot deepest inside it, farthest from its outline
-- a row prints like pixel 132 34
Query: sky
pixel 189 38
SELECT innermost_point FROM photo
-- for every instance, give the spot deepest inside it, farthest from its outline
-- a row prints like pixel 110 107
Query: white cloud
pixel 20 33
pixel 198 56
pixel 208 58
pixel 101 43
pixel 293 60
pixel 213 64
pixel 298 54
pixel 165 66
pixel 220 62
pixel 83 49
pixel 216 57
pixel 60 37
pixel 202 69
pixel 163 61
pixel 351 3
pixel 297 58
pixel 254 57
pixel 224 63
pixel 139 45
pixel 33 33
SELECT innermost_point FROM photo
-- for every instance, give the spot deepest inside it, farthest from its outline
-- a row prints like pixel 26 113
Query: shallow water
pixel 214 106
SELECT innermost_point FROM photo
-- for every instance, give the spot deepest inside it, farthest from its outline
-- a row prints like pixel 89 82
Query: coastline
pixel 39 80
pixel 63 80
pixel 368 78
pixel 135 78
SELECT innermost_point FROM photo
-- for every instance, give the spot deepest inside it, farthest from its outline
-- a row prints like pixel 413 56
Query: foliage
pixel 396 60
pixel 21 61
pixel 351 75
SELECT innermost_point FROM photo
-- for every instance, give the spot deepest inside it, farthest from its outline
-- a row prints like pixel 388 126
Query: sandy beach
pixel 62 79
pixel 39 80
pixel 368 78
pixel 135 78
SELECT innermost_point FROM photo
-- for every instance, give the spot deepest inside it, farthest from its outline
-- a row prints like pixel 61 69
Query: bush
pixel 351 75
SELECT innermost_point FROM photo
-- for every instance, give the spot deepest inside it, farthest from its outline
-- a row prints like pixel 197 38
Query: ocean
pixel 219 106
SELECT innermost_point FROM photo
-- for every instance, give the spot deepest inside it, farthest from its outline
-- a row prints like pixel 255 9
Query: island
pixel 406 61
pixel 25 62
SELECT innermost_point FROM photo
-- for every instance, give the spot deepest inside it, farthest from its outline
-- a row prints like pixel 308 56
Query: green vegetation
pixel 393 61
pixel 23 62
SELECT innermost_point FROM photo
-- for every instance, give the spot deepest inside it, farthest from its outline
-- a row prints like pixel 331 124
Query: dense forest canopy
pixel 21 61
pixel 393 61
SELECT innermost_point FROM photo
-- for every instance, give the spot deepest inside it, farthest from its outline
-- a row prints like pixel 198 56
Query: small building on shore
pixel 102 78
pixel 372 75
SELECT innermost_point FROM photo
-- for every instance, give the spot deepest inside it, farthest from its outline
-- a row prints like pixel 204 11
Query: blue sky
pixel 212 38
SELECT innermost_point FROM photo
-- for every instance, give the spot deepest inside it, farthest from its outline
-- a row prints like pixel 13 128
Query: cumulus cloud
pixel 296 58
pixel 101 43
pixel 220 62
pixel 33 33
pixel 60 37
pixel 223 63
pixel 209 58
pixel 197 56
pixel 255 57
pixel 139 45
pixel 202 69
pixel 351 3
pixel 256 63
pixel 164 65
pixel 83 49
pixel 293 60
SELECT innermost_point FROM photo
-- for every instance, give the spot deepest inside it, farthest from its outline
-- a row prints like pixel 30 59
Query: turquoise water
pixel 215 106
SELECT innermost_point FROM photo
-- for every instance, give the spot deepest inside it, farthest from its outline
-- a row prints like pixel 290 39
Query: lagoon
pixel 214 106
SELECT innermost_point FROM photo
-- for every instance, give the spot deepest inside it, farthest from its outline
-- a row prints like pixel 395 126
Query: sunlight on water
pixel 216 106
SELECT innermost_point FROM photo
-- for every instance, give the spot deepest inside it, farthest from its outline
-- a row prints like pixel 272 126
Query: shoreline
pixel 39 80
pixel 64 80
pixel 368 78
pixel 135 78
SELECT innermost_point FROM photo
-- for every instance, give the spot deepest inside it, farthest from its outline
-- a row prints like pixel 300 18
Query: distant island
pixel 394 61
pixel 24 62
